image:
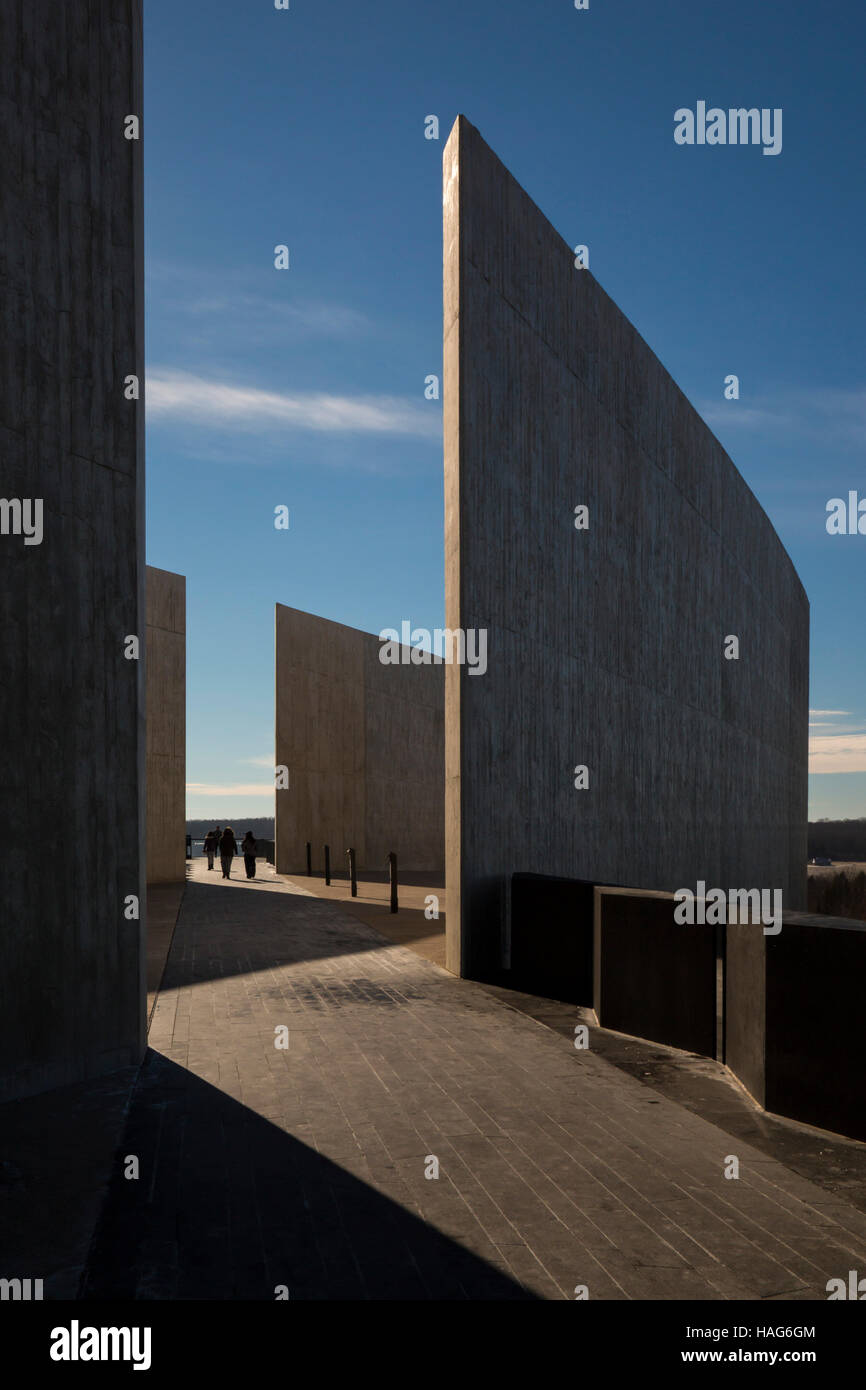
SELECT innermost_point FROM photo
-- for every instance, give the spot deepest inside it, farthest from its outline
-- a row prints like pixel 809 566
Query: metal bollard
pixel 353 876
pixel 327 864
pixel 392 874
pixel 309 860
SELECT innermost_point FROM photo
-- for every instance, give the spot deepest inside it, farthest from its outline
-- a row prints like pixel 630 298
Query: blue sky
pixel 305 387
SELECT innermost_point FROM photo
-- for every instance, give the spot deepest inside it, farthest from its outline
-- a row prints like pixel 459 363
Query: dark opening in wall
pixel 551 937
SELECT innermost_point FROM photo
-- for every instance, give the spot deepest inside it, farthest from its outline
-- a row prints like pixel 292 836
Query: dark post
pixel 309 860
pixel 327 863
pixel 392 874
pixel 353 875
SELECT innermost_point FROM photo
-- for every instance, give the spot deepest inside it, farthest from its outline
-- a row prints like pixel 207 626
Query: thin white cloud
pixel 257 316
pixel 829 711
pixel 184 397
pixel 259 762
pixel 844 412
pixel 230 788
pixel 830 415
pixel 741 417
pixel 199 305
pixel 837 752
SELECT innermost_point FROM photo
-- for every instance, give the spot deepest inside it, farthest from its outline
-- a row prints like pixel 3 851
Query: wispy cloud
pixel 744 417
pixel 266 761
pixel 186 398
pixel 230 788
pixel 833 416
pixel 843 750
pixel 199 306
pixel 838 752
pixel 257 318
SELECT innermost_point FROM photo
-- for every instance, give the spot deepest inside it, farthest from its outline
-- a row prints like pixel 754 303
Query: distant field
pixel 847 866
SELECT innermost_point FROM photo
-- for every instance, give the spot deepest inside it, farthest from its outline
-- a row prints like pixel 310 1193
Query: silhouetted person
pixel 248 848
pixel 210 847
pixel 228 849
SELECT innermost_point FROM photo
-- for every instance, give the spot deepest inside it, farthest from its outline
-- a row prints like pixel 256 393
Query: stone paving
pixel 303 1169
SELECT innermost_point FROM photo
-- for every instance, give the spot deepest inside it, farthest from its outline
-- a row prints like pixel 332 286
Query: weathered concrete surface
pixel 166 726
pixel 654 977
pixel 746 1006
pixel 792 1002
pixel 163 905
pixel 72 730
pixel 363 744
pixel 605 646
pixel 800 1006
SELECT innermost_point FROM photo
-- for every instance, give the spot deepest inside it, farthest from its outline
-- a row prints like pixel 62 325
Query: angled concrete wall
pixel 605 646
pixel 72 733
pixel 363 743
pixel 166 726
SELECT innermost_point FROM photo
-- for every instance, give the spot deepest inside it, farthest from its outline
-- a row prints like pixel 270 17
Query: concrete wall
pixel 605 646
pixel 166 726
pixel 746 1006
pixel 653 977
pixel 363 743
pixel 786 1008
pixel 72 732
pixel 809 1057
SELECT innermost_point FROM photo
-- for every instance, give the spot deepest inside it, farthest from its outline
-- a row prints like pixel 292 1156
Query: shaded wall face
pixel 815 1054
pixel 166 726
pixel 605 646
pixel 363 745
pixel 653 977
pixel 72 731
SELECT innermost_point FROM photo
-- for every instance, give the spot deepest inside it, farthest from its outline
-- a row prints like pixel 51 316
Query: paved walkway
pixel 305 1167
pixel 407 927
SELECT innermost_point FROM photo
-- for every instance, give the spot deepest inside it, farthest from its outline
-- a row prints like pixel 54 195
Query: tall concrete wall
pixel 363 744
pixel 72 731
pixel 166 726
pixel 605 646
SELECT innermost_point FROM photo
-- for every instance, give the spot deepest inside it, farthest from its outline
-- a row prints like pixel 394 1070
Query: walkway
pixel 305 1167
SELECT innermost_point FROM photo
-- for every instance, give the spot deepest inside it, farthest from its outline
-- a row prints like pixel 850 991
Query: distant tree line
pixel 838 839
pixel 261 826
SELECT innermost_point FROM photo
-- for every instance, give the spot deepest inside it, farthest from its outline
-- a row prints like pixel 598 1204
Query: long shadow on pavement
pixel 229 1206
pixel 236 929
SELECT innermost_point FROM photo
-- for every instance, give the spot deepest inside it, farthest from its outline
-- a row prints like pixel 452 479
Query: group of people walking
pixel 223 842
